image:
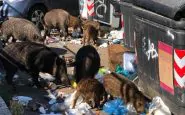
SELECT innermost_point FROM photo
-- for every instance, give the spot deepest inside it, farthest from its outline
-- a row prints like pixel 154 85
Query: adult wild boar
pixel 87 63
pixel 61 20
pixel 33 58
pixel 20 29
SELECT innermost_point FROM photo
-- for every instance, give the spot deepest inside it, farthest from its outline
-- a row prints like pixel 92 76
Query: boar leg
pixel 10 72
pixel 83 41
pixel 9 77
pixel 35 78
pixel 75 99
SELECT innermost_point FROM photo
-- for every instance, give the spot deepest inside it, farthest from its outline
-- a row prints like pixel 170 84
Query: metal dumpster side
pixel 160 47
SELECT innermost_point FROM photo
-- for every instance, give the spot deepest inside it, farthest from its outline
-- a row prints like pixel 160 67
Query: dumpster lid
pixel 168 8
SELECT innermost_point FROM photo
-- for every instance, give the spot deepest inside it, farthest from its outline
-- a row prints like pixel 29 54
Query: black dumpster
pixel 104 11
pixel 157 30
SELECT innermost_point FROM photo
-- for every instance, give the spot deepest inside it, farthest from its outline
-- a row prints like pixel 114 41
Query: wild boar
pixel 20 29
pixel 61 20
pixel 92 91
pixel 90 34
pixel 87 62
pixel 33 58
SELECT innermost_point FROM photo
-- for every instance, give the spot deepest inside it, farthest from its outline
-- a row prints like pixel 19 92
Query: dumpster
pixel 156 30
pixel 101 10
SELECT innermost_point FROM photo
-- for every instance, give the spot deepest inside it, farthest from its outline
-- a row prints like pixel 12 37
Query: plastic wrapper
pixel 115 107
pixel 129 62
pixel 102 71
pixel 158 107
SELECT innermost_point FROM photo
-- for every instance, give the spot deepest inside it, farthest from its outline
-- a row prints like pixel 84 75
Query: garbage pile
pixel 60 102
pixel 113 37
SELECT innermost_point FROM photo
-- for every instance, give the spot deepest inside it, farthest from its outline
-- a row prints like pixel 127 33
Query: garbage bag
pixel 158 107
pixel 129 62
pixel 115 107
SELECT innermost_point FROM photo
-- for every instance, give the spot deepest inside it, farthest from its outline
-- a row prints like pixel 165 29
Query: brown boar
pixel 92 92
pixel 20 29
pixel 61 20
pixel 90 34
pixel 86 23
pixel 120 86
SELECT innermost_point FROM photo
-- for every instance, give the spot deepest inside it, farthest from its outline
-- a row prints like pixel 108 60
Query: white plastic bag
pixel 158 107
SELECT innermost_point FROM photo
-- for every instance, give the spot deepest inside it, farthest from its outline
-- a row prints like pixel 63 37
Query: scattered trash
pixel 131 76
pixel 51 95
pixel 118 107
pixel 51 40
pixel 129 62
pixel 24 100
pixel 42 110
pixel 52 101
pixel 115 107
pixel 131 108
pixel 116 34
pixel 76 41
pixel 15 77
pixel 58 107
pixel 73 83
pixel 116 41
pixel 79 111
pixel 52 114
pixel 33 106
pixel 101 73
pixel 76 33
pixel 158 107
pixel 52 86
pixel 81 108
pixel 104 45
pixel 46 76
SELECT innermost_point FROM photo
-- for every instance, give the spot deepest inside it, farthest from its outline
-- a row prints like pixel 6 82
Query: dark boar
pixel 33 58
pixel 92 92
pixel 20 29
pixel 90 34
pixel 61 20
pixel 87 63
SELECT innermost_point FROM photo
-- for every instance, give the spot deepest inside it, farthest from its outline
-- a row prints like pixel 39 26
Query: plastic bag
pixel 120 70
pixel 24 100
pixel 102 71
pixel 115 107
pixel 129 62
pixel 158 107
